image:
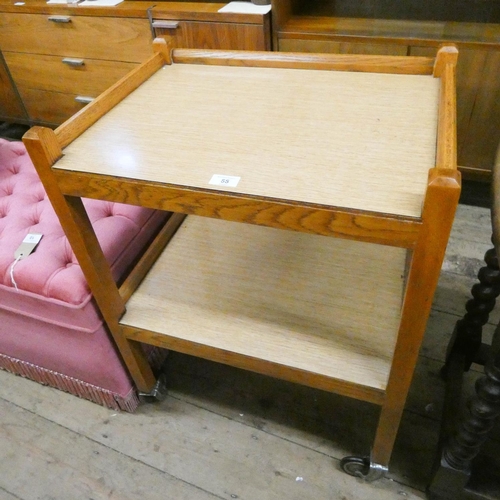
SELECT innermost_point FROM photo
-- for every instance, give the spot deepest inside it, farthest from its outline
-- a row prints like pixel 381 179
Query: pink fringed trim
pixel 68 384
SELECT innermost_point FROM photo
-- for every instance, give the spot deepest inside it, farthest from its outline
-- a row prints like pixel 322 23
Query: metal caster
pixel 158 393
pixel 363 468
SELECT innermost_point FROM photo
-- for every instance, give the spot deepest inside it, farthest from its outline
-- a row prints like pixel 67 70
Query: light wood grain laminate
pixel 348 164
pixel 281 296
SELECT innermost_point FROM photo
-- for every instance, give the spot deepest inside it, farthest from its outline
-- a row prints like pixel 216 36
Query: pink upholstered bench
pixel 50 328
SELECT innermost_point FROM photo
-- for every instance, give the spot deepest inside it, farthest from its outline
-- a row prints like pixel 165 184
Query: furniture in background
pixel 11 106
pixel 52 331
pixel 413 28
pixel 464 470
pixel 201 25
pixel 318 213
pixel 60 57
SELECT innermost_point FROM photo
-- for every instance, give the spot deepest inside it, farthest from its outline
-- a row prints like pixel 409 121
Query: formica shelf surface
pixel 364 141
pixel 323 305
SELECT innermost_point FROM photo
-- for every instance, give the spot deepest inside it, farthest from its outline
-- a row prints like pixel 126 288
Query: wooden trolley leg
pixel 44 150
pixel 438 212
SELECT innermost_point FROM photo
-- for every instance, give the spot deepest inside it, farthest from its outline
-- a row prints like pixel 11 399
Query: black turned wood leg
pixel 467 335
pixel 453 472
pixel 461 439
pixel 483 409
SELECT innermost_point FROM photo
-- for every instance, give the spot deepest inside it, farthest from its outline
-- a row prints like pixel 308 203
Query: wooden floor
pixel 228 434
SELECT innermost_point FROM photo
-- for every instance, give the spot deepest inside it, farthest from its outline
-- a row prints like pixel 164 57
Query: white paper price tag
pixel 29 244
pixel 224 180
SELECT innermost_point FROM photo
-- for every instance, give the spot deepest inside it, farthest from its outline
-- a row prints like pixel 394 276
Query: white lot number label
pixel 27 246
pixel 224 180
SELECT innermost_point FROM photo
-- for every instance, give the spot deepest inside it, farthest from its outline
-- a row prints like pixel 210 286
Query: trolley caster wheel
pixel 363 468
pixel 355 466
pixel 158 393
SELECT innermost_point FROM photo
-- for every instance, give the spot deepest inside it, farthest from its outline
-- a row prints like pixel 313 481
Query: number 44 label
pixel 224 180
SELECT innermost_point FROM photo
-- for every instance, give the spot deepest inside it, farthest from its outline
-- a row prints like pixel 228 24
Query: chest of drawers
pixel 59 57
pixel 63 57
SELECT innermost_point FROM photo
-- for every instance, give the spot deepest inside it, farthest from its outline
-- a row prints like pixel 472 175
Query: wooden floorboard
pixel 41 459
pixel 227 433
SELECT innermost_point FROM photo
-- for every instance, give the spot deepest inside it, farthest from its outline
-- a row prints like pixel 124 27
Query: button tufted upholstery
pixel 52 318
pixel 51 274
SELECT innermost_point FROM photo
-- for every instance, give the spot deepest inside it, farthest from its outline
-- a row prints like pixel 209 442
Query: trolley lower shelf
pixel 324 310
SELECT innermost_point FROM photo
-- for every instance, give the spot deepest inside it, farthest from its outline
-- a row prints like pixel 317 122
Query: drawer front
pixel 49 107
pixel 52 74
pixel 119 39
pixel 205 35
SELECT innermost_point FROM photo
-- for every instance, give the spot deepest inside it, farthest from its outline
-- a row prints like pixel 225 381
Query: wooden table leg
pixel 452 475
pixel 467 335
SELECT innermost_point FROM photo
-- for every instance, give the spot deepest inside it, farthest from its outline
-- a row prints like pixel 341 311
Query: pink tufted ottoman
pixel 50 329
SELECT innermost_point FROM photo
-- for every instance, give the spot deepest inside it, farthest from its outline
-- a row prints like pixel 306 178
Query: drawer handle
pixel 168 25
pixel 60 19
pixel 73 62
pixel 83 99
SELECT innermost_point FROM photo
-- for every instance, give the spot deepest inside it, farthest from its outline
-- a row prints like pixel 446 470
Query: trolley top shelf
pixel 354 140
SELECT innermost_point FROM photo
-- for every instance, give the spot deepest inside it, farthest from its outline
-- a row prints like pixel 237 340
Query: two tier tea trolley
pixel 312 198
